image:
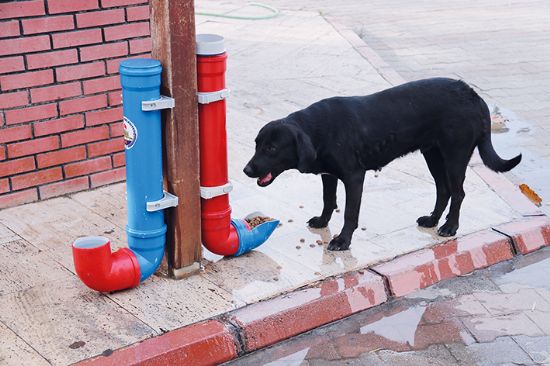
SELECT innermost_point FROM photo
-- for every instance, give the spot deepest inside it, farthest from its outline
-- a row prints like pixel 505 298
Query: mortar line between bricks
pixel 512 242
pixel 237 331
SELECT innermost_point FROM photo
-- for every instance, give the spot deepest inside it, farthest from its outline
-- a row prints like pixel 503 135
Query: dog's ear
pixel 306 151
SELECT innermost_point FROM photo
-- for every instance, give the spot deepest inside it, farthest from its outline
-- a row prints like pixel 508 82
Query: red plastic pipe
pixel 218 235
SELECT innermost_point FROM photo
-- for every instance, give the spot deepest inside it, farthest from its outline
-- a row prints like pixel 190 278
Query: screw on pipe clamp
pixel 210 97
pixel 211 192
pixel 168 200
pixel 163 102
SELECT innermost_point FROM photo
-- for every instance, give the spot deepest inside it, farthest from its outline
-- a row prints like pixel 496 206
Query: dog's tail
pixel 491 159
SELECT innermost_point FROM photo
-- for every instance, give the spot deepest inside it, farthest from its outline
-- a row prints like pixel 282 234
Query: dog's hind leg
pixel 330 183
pixel 354 191
pixel 456 172
pixel 437 169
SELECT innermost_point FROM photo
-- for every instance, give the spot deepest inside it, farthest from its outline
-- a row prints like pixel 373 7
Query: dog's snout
pixel 248 170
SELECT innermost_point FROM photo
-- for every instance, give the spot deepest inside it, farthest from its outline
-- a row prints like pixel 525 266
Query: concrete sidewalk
pixel 275 67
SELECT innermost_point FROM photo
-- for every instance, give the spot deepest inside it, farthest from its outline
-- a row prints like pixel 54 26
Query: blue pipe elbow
pixel 250 239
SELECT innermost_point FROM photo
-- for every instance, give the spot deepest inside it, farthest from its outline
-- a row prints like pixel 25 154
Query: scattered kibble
pixel 275 279
pixel 364 228
pixel 302 240
pixel 258 220
pixel 317 273
pixel 279 267
pixel 298 247
pixel 290 220
pixel 280 224
pixel 337 210
pixel 361 271
pixel 312 245
pixel 319 242
pixel 301 206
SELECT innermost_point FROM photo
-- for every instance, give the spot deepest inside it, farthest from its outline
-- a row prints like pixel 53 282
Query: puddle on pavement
pixel 442 314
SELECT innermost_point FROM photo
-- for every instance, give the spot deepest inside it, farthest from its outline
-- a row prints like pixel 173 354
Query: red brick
pixel 35 113
pixel 87 167
pixel 16 166
pixel 96 18
pixel 65 6
pixel 206 343
pixel 16 99
pixel 36 178
pixel 108 177
pixel 126 31
pixel 58 125
pixel 76 38
pixel 34 78
pixel 80 71
pixel 17 9
pixel 48 24
pixel 112 3
pixel 82 104
pixel 100 85
pixel 9 29
pixel 18 198
pixel 137 13
pixel 61 157
pixel 272 321
pixel 11 134
pixel 59 91
pixel 14 46
pixel 84 136
pixel 103 51
pixel 4 185
pixel 105 116
pixel 115 98
pixel 2 153
pixel 11 64
pixel 48 59
pixel 65 187
pixel 140 45
pixel 106 147
pixel 21 115
pixel 117 129
pixel 33 146
pixel 528 234
pixel 453 258
pixel 119 159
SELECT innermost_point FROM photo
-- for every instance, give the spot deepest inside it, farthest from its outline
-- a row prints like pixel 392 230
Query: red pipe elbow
pixel 218 234
pixel 102 270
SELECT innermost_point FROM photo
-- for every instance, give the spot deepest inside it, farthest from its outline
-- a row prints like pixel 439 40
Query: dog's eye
pixel 271 148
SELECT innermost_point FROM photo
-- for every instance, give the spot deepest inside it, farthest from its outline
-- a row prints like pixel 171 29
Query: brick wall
pixel 60 104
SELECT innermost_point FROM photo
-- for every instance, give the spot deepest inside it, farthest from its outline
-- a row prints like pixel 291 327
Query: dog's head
pixel 280 146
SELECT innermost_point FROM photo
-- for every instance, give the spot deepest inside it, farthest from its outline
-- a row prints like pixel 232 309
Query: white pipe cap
pixel 210 44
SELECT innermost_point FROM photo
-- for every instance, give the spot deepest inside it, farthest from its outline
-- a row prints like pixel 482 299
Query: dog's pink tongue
pixel 266 179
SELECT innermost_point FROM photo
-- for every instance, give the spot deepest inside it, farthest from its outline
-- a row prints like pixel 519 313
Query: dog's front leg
pixel 330 183
pixel 354 191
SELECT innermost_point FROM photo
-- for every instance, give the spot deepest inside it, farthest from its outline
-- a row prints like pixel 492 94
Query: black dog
pixel 343 137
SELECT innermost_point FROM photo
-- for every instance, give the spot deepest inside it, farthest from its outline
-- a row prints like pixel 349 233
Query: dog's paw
pixel 427 221
pixel 317 222
pixel 448 229
pixel 338 244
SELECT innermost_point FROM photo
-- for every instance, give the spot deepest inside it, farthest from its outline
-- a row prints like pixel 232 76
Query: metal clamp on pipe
pixel 211 192
pixel 211 97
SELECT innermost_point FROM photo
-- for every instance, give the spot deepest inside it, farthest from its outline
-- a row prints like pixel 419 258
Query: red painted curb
pixel 456 257
pixel 268 322
pixel 208 343
pixel 528 234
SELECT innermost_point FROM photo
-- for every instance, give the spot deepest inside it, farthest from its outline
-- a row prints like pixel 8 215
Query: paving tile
pixel 541 319
pixel 207 343
pixel 528 234
pixel 486 329
pixel 6 235
pixel 455 257
pixel 14 351
pixel 165 304
pixel 501 351
pixel 108 202
pixel 23 266
pixel 436 355
pixel 270 321
pixel 538 348
pixel 66 322
pixel 523 300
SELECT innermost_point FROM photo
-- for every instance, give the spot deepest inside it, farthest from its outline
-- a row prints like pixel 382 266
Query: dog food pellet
pixel 337 210
pixel 302 240
pixel 312 245
pixel 298 247
pixel 317 273
pixel 280 224
pixel 258 220
pixel 279 267
pixel 364 228
pixel 319 242
pixel 361 271
pixel 275 279
pixel 290 220
pixel 301 206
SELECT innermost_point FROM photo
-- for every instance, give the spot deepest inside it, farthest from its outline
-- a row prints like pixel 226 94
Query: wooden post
pixel 173 36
